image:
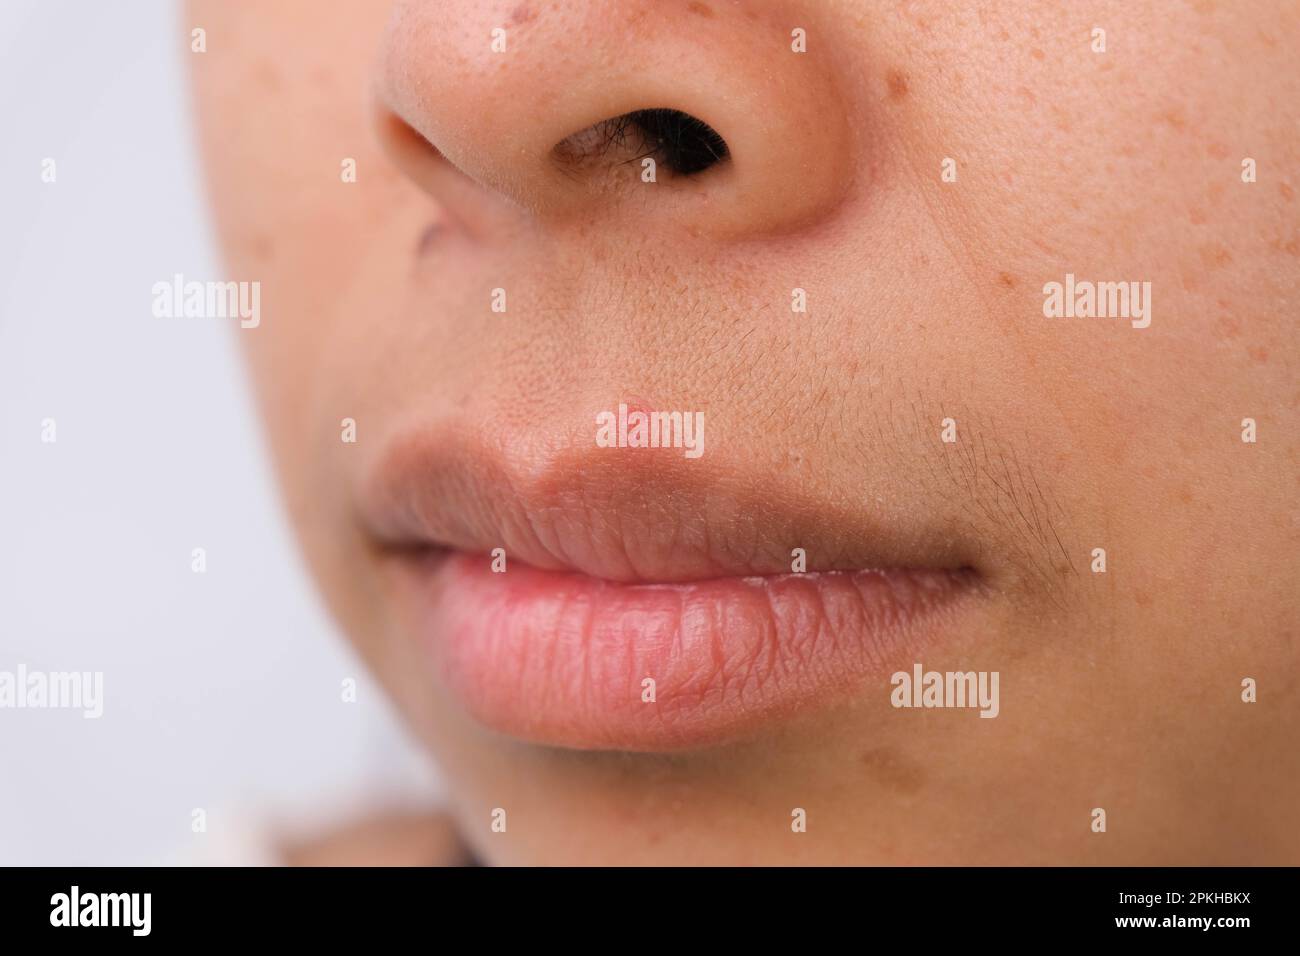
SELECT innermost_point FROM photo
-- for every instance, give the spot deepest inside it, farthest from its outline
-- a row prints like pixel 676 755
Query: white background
pixel 222 690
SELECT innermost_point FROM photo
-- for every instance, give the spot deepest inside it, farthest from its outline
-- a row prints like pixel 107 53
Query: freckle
pixel 701 8
pixel 1287 192
pixel 888 767
pixel 1007 279
pixel 262 246
pixel 1259 354
pixel 520 15
pixel 898 84
pixel 1037 54
pixel 1174 117
pixel 1196 217
pixel 1185 495
pixel 1142 598
pixel 1217 150
pixel 1215 256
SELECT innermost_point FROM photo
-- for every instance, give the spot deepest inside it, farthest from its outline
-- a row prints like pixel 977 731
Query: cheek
pixel 277 147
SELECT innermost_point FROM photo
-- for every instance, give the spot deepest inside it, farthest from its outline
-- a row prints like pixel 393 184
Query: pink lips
pixel 574 644
pixel 570 660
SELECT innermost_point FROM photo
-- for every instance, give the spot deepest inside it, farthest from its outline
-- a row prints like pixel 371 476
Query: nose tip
pixel 703 115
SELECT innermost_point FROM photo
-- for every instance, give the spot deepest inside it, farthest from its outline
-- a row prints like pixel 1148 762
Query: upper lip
pixel 629 515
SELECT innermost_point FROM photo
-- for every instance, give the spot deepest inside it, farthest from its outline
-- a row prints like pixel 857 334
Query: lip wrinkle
pixel 559 657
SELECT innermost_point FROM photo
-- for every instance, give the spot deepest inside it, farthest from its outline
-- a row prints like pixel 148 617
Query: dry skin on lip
pixel 565 659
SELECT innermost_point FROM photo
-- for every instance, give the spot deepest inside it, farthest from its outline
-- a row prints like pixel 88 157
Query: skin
pixel 1120 690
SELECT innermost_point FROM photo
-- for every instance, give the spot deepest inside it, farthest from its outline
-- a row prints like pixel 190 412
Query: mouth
pixel 609 599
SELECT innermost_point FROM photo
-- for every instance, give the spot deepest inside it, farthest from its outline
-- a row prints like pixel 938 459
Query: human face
pixel 871 307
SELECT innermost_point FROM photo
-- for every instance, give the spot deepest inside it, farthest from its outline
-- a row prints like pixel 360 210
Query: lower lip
pixel 569 660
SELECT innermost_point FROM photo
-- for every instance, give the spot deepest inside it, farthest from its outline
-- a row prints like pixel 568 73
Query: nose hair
pixel 706 114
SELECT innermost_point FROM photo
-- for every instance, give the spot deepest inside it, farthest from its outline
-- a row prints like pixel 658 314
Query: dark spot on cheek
pixel 1007 280
pixel 262 247
pixel 701 8
pixel 892 770
pixel 520 15
pixel 898 85
pixel 1175 118
pixel 1215 256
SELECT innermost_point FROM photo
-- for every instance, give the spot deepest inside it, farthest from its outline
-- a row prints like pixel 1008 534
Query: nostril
pixel 675 140
pixel 686 144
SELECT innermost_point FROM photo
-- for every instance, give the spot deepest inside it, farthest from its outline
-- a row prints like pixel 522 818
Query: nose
pixel 702 112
